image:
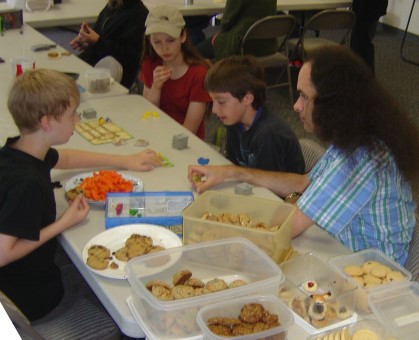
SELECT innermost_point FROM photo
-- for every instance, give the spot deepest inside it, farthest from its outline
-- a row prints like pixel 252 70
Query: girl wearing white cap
pixel 172 71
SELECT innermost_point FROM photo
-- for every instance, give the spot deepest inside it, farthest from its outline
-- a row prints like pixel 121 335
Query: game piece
pixel 118 208
pixel 243 189
pixel 180 141
pixel 203 161
pixel 89 114
pixel 141 142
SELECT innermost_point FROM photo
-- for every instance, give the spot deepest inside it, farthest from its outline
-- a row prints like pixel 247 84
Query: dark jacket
pixel 121 36
pixel 238 16
pixel 372 9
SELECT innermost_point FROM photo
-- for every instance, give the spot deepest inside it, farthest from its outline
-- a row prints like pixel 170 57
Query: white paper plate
pixel 76 180
pixel 115 238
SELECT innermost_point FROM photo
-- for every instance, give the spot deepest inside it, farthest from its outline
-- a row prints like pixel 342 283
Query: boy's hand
pixel 76 212
pixel 143 161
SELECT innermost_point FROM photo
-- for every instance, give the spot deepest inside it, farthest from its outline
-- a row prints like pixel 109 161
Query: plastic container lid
pixel 398 309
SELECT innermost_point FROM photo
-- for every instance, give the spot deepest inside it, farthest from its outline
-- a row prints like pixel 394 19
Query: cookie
pixel 99 251
pixel 242 329
pixel 310 286
pixel 139 239
pixel 368 265
pixel 216 285
pixel 353 270
pixel 380 271
pixel 162 293
pixel 298 306
pixel 394 275
pixel 251 313
pixel 195 283
pixel 97 263
pixel 122 254
pixel 237 283
pixel 220 330
pixel 181 277
pixel 71 194
pixel 344 335
pixel 229 322
pixel 344 312
pixel 182 292
pixel 160 283
pixel 364 334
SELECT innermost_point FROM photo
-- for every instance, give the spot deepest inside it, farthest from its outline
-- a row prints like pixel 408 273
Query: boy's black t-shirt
pixel 269 144
pixel 27 204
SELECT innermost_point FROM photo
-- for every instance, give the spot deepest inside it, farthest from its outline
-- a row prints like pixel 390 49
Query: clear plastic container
pixel 319 296
pixel 229 259
pixel 98 80
pixel 339 263
pixel 276 244
pixel 368 327
pixel 397 308
pixel 38 5
pixel 232 308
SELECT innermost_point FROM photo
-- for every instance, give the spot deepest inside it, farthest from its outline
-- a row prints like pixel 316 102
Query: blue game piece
pixel 203 161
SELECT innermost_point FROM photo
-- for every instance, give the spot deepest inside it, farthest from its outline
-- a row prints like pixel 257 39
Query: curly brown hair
pixel 351 109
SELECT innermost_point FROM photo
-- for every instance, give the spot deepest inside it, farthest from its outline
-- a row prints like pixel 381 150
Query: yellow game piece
pixel 101 121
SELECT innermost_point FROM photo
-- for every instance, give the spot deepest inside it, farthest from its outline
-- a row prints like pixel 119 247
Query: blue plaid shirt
pixel 363 201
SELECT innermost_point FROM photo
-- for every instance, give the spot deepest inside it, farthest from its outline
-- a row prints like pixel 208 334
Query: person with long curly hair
pixel 360 191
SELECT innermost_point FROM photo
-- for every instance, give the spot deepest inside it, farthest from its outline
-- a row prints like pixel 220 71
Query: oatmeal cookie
pixel 181 277
pixel 216 285
pixel 99 251
pixel 251 313
pixel 122 254
pixel 162 293
pixel 139 239
pixel 182 292
pixel 237 283
pixel 97 263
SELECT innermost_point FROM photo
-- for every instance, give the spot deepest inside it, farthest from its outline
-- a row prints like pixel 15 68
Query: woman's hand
pixel 87 35
pixel 142 161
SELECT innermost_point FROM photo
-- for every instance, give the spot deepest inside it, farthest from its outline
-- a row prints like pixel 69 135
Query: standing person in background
pixel 172 71
pixel 360 191
pixel 118 32
pixel 238 16
pixel 368 12
pixel 256 138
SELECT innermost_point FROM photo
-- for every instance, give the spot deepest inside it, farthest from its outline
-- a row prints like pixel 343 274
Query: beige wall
pixel 398 14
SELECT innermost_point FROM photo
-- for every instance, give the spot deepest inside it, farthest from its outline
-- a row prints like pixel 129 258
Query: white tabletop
pixel 73 12
pixel 14 44
pixel 128 112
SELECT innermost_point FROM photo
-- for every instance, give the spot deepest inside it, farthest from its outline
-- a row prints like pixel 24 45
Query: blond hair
pixel 38 93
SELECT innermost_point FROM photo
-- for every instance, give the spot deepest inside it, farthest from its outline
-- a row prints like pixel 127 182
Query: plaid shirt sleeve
pixel 359 204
